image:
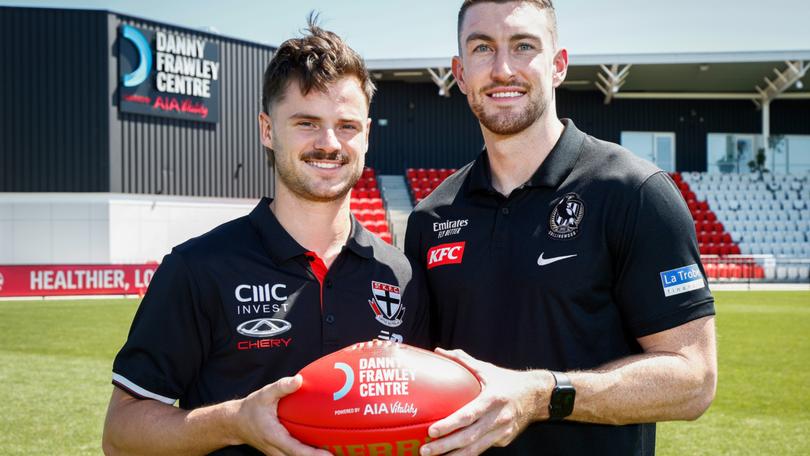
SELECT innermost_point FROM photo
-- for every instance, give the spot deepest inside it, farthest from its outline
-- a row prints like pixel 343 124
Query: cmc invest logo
pixel 144 56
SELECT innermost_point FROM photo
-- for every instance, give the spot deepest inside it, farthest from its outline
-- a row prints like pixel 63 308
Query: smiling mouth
pixel 501 95
pixel 324 164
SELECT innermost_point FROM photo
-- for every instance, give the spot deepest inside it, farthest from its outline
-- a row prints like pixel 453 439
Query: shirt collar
pixel 282 247
pixel 557 165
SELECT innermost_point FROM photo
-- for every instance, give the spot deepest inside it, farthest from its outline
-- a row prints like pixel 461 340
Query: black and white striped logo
pixel 566 217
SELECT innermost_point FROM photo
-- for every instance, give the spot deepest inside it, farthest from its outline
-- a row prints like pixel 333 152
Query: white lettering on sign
pixel 77 279
pixel 181 66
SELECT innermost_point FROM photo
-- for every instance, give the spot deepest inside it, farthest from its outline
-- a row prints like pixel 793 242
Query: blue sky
pixel 426 28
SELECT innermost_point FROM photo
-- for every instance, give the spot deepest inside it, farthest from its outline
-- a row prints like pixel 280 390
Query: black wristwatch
pixel 561 403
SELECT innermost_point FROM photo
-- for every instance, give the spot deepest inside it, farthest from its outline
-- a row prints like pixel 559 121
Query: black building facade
pixel 63 129
pixel 425 130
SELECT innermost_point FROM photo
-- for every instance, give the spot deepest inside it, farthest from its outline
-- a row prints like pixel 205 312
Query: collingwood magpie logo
pixel 566 217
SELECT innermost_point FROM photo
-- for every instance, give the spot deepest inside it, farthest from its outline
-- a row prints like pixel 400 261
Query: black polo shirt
pixel 244 304
pixel 597 249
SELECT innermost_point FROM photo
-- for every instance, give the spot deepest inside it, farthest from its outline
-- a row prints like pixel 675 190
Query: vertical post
pixel 766 127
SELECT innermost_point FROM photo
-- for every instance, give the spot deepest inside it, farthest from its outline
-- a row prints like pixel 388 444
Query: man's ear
pixel 266 130
pixel 560 67
pixel 458 73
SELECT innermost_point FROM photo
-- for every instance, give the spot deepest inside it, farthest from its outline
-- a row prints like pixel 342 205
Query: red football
pixel 375 398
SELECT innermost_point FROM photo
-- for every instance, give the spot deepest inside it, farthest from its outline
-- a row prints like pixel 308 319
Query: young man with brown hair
pixel 576 273
pixel 231 315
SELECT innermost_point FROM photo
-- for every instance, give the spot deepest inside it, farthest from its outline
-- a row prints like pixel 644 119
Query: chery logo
pixel 264 327
pixel 445 254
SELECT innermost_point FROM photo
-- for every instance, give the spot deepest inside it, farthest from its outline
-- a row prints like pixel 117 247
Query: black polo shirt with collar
pixel 244 305
pixel 596 250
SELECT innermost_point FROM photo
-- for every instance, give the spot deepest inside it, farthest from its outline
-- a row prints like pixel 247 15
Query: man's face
pixel 319 140
pixel 508 66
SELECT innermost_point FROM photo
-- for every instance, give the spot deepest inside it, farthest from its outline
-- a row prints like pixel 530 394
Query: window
pixel 657 147
pixel 730 152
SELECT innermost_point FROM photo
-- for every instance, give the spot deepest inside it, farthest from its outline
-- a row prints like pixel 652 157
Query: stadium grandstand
pixel 121 183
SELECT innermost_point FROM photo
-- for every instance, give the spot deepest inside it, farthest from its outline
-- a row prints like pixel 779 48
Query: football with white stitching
pixel 375 398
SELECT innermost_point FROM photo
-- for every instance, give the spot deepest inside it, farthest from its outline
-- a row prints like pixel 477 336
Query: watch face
pixel 562 402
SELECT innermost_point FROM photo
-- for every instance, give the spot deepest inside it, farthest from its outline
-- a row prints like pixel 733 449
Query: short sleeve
pixel 167 341
pixel 661 282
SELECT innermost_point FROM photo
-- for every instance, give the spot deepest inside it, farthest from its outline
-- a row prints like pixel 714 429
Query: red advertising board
pixel 66 280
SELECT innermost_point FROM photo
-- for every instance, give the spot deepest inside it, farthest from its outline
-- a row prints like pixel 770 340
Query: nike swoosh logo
pixel 544 261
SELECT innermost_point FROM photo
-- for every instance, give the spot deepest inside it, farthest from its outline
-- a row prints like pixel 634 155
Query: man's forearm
pixel 642 389
pixel 136 426
pixel 674 379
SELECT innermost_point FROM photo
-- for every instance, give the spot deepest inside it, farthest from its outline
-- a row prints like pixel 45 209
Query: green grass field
pixel 55 360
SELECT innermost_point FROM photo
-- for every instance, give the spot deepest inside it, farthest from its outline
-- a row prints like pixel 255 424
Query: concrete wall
pixel 102 228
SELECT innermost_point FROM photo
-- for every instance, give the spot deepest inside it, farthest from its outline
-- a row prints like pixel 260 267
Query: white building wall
pixel 81 228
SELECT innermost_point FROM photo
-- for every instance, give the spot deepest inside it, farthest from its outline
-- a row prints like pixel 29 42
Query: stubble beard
pixel 299 185
pixel 509 123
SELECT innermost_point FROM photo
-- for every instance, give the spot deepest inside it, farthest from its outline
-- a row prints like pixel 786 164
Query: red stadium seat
pixel 375 203
pixel 711 270
pixel 734 271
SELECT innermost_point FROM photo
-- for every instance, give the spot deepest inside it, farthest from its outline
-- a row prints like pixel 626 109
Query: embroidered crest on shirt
pixel 386 304
pixel 566 217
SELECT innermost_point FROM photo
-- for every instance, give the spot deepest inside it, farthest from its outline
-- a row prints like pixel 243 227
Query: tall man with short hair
pixel 231 315
pixel 575 271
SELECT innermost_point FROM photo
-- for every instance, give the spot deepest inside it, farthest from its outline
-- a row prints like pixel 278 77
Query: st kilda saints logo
pixel 566 217
pixel 386 304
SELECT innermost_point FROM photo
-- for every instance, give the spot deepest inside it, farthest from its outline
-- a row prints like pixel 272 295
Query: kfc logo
pixel 445 254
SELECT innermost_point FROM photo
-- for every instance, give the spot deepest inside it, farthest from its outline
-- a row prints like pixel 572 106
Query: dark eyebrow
pixel 520 36
pixel 525 36
pixel 478 36
pixel 303 115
